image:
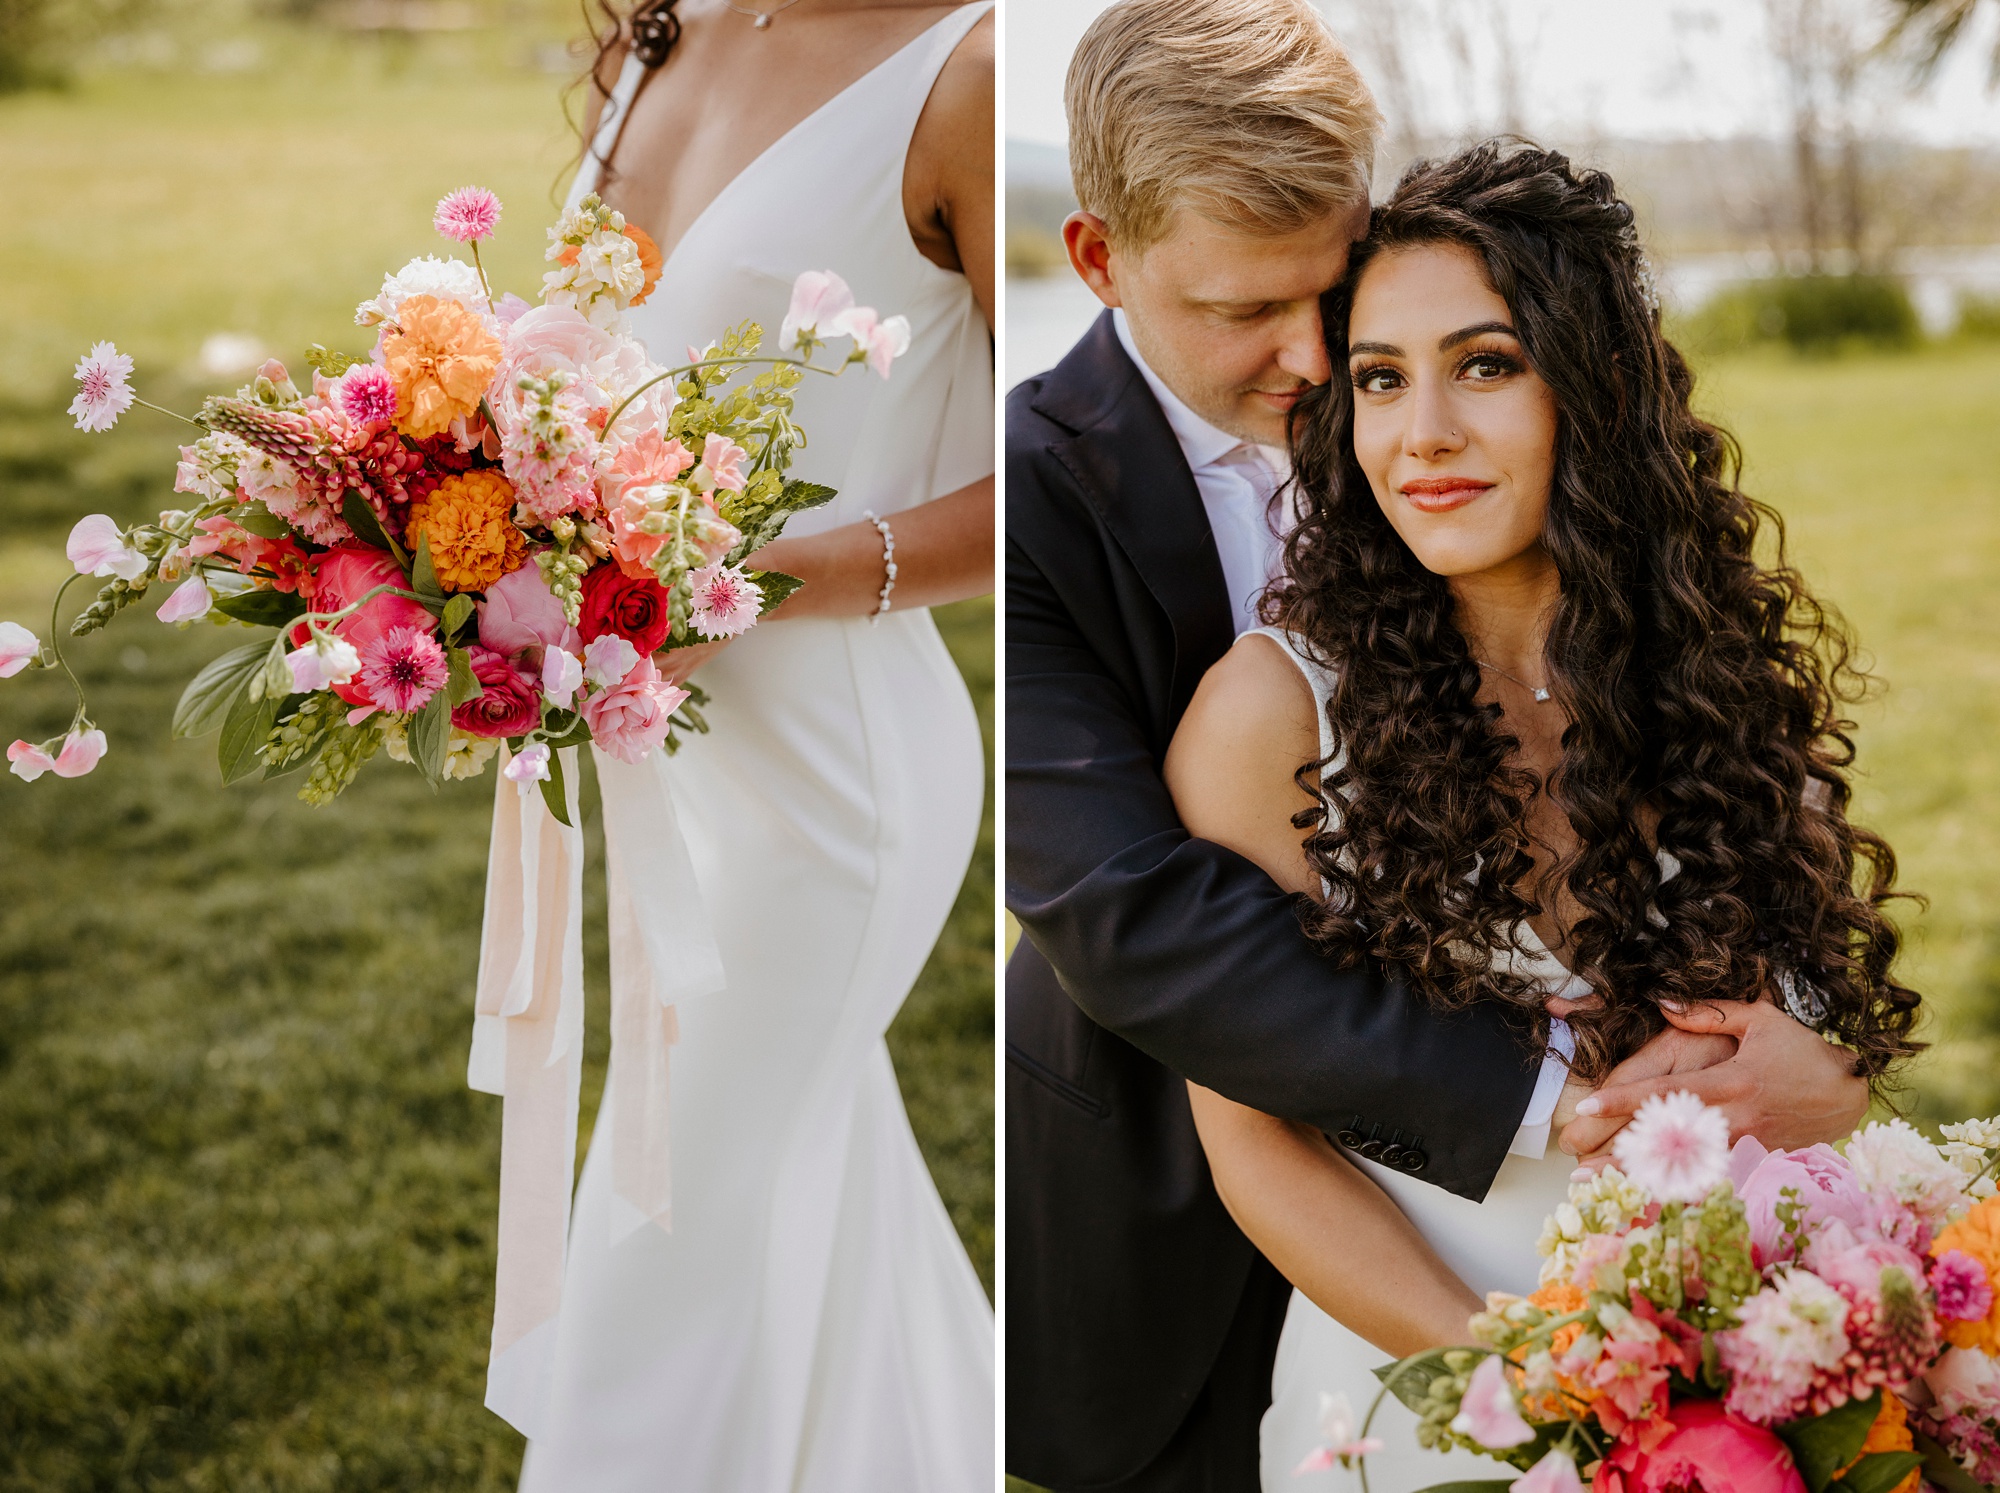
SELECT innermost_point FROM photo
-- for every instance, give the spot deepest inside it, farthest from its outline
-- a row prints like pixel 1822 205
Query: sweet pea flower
pixel 80 752
pixel 608 659
pixel 190 600
pixel 528 768
pixel 562 676
pixel 322 664
pixel 102 391
pixel 18 649
pixel 1336 1426
pixel 97 547
pixel 881 342
pixel 1488 1413
pixel 819 299
pixel 1555 1473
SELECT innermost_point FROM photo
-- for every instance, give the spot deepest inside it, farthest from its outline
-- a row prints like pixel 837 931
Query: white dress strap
pixel 610 126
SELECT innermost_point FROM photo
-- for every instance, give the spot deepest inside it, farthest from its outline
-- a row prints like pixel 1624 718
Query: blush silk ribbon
pixel 527 1038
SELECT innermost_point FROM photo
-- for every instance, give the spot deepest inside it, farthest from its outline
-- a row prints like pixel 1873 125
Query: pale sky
pixel 1650 68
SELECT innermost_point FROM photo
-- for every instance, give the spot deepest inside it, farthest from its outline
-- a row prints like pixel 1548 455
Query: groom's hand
pixel 1784 1083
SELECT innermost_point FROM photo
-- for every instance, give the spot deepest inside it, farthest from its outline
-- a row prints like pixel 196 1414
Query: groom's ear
pixel 1089 247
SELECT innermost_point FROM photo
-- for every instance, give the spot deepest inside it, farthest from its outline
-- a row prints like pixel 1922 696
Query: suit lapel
pixel 1130 469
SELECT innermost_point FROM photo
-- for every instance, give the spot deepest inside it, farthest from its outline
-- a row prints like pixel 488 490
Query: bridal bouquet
pixel 482 532
pixel 1742 1321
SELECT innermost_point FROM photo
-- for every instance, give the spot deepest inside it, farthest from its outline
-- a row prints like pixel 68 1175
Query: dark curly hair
pixel 1704 687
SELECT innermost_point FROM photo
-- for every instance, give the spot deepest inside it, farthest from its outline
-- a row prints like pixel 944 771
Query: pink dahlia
pixel 102 394
pixel 468 215
pixel 726 601
pixel 402 669
pixel 368 395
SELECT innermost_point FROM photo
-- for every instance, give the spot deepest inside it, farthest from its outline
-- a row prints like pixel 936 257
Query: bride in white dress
pixel 1523 639
pixel 810 1323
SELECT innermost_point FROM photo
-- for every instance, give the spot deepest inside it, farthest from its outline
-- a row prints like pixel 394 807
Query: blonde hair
pixel 1248 111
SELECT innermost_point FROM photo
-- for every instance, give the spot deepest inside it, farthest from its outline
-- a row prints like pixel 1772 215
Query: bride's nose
pixel 1434 430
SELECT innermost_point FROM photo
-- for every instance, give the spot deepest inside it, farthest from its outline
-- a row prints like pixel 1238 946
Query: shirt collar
pixel 1201 443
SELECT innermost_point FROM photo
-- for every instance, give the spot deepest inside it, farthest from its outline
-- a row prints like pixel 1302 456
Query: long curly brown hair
pixel 1705 688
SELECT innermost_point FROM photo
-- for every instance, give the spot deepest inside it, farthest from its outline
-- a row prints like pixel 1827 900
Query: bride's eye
pixel 1486 367
pixel 1376 380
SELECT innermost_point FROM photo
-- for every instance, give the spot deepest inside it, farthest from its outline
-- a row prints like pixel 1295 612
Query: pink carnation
pixel 367 395
pixel 468 215
pixel 402 669
pixel 1963 1292
pixel 631 718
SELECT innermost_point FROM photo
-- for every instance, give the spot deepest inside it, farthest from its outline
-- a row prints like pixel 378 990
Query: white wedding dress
pixel 1489 1244
pixel 811 1323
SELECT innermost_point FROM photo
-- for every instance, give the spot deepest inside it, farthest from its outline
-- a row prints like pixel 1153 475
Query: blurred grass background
pixel 246 1201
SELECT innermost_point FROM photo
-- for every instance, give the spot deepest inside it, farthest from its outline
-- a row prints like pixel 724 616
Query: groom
pixel 1221 150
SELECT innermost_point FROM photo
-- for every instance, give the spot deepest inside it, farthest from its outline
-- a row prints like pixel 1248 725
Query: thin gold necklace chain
pixel 762 18
pixel 1540 692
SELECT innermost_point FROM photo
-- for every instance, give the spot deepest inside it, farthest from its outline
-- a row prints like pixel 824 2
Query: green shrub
pixel 1979 316
pixel 1812 313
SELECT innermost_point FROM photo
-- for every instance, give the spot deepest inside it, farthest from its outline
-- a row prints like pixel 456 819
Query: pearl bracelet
pixel 888 563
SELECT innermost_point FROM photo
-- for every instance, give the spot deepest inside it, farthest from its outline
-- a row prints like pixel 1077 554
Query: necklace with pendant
pixel 762 18
pixel 1540 692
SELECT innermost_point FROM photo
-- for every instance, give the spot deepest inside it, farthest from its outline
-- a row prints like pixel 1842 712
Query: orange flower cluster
pixel 469 521
pixel 441 358
pixel 649 260
pixel 1558 1298
pixel 1977 1234
pixel 1890 1433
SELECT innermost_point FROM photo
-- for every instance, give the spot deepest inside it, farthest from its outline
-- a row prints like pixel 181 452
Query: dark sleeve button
pixel 1412 1160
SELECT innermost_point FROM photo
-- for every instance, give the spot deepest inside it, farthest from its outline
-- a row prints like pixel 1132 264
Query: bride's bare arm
pixel 1316 1216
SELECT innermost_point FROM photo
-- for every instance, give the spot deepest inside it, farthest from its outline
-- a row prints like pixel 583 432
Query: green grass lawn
pixel 246 1201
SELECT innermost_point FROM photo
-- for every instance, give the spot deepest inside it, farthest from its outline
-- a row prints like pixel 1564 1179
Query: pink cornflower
pixel 726 601
pixel 1963 1292
pixel 402 669
pixel 368 395
pixel 103 394
pixel 1676 1147
pixel 468 215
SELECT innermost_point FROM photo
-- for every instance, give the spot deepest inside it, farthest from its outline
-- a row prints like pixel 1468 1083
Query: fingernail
pixel 1581 1174
pixel 1679 1008
pixel 1588 1106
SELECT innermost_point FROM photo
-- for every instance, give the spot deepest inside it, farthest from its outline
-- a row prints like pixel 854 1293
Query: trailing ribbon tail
pixel 527 1046
pixel 663 951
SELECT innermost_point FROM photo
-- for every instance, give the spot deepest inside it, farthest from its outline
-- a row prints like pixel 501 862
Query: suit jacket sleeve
pixel 1182 947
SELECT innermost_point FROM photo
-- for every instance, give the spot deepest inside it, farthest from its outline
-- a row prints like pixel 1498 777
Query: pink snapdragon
pixel 726 601
pixel 1676 1147
pixel 102 391
pixel 18 649
pixel 78 753
pixel 402 669
pixel 468 215
pixel 1788 1334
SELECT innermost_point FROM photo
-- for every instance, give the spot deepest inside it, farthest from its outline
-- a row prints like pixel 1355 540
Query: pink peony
pixel 79 753
pixel 102 391
pixel 1707 1448
pixel 351 571
pixel 726 601
pixel 631 718
pixel 1819 1180
pixel 724 460
pixel 1676 1148
pixel 190 600
pixel 1488 1413
pixel 552 339
pixel 520 616
pixel 97 547
pixel 367 396
pixel 819 299
pixel 468 215
pixel 18 649
pixel 401 669
pixel 511 704
pixel 1963 1292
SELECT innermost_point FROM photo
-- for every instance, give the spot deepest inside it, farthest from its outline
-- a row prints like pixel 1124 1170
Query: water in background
pixel 1044 319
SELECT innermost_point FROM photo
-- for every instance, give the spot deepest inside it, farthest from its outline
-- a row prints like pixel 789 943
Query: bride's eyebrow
pixel 1374 350
pixel 1480 329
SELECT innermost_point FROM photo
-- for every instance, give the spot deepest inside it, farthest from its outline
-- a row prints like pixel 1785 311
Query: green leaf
pixel 1940 1468
pixel 797 497
pixel 463 684
pixel 776 586
pixel 457 612
pixel 262 608
pixel 424 577
pixel 429 736
pixel 367 528
pixel 554 793
pixel 246 729
pixel 563 728
pixel 259 520
pixel 206 701
pixel 1878 1472
pixel 331 364
pixel 1410 1379
pixel 1823 1444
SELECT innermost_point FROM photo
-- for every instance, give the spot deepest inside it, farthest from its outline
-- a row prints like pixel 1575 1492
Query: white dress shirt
pixel 1236 480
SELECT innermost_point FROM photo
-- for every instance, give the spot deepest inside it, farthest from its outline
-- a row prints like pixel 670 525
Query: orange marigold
pixel 1890 1433
pixel 469 521
pixel 649 260
pixel 441 358
pixel 1558 1298
pixel 1977 1234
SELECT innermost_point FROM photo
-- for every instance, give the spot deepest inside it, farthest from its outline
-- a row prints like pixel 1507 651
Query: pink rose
pixel 354 570
pixel 519 615
pixel 1708 1448
pixel 1825 1185
pixel 630 719
pixel 551 339
pixel 511 704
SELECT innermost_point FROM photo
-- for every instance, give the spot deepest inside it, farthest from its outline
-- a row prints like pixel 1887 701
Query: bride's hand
pixel 676 664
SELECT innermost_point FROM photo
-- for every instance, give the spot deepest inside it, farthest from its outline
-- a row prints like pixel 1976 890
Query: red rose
pixel 511 704
pixel 633 607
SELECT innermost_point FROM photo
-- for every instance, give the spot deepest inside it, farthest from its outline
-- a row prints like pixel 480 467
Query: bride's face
pixel 1456 433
